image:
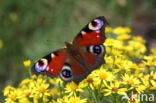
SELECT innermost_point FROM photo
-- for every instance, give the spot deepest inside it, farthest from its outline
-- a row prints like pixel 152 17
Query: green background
pixel 30 29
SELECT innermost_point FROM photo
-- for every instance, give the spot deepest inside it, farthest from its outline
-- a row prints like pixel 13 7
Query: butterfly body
pixel 79 58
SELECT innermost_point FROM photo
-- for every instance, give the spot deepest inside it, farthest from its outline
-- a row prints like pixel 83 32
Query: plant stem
pixel 29 71
pixel 93 94
pixel 114 98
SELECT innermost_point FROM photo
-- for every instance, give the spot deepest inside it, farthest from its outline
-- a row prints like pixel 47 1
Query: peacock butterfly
pixel 79 58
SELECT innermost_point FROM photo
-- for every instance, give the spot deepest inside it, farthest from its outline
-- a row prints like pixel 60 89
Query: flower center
pixel 150 77
pixel 115 89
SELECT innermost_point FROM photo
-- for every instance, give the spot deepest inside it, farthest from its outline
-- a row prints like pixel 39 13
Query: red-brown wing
pixel 80 71
pixel 51 63
pixel 92 33
pixel 93 55
pixel 59 63
pixel 88 51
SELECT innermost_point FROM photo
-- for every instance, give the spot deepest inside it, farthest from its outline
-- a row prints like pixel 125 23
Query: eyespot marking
pixel 96 49
pixel 41 65
pixel 66 73
pixel 96 24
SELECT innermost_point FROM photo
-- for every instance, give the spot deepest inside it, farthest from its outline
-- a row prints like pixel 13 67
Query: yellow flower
pixel 25 82
pixel 42 88
pixel 60 100
pixel 150 60
pixel 121 30
pixel 140 88
pixel 14 95
pixel 142 66
pixel 134 99
pixel 109 60
pixel 146 82
pixel 130 80
pixel 109 42
pixel 153 86
pixel 76 100
pixel 102 74
pixel 8 90
pixel 137 46
pixel 119 60
pixel 91 81
pixel 138 39
pixel 36 87
pixel 153 51
pixel 114 87
pixel 126 64
pixel 53 92
pixel 149 81
pixel 27 63
pixel 137 74
pixel 114 43
pixel 124 36
pixel 56 81
pixel 24 100
pixel 72 88
pixel 151 76
pixel 116 52
pixel 109 30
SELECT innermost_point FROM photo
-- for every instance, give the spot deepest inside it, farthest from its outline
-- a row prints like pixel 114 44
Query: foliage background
pixel 30 29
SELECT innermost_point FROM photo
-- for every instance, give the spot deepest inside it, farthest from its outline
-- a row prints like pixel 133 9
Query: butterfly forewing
pixel 89 42
pixel 92 33
pixel 51 63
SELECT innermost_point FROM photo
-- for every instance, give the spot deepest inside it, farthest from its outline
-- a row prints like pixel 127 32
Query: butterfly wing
pixel 88 49
pixel 92 33
pixel 89 42
pixel 58 63
pixel 84 61
pixel 51 63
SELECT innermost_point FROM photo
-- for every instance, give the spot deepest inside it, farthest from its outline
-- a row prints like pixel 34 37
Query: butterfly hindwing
pixel 91 57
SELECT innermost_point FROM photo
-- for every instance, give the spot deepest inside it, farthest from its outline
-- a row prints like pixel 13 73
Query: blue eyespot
pixel 66 73
pixel 96 49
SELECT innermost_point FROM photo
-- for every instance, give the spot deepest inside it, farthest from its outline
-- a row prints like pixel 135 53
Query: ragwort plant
pixel 127 74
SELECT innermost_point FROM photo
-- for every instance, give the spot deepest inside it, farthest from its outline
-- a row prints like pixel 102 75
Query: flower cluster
pixel 129 71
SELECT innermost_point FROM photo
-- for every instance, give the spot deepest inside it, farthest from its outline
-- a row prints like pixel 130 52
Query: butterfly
pixel 79 58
